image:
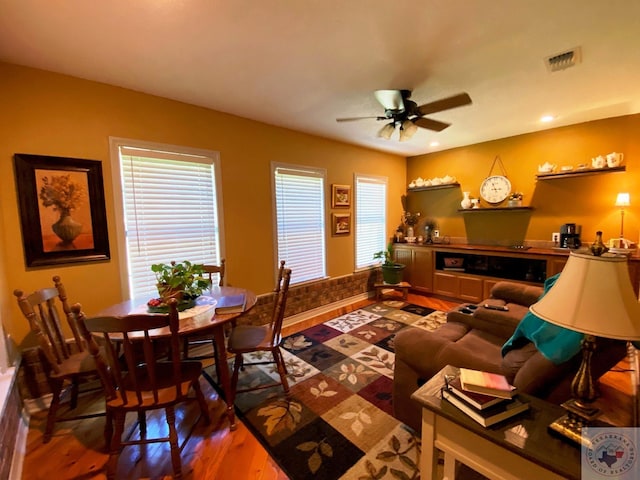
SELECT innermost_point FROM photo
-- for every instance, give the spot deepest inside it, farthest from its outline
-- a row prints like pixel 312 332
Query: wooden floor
pixel 76 450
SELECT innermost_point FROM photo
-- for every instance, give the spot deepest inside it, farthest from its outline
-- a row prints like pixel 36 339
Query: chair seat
pixel 245 338
pixel 81 362
pixel 167 394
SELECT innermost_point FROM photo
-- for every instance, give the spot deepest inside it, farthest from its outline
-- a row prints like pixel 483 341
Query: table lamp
pixel 622 200
pixel 593 295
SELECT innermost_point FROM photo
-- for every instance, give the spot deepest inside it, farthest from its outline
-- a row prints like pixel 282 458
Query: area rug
pixel 338 421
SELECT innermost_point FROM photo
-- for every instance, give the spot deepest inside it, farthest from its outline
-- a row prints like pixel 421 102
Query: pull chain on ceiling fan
pixel 406 113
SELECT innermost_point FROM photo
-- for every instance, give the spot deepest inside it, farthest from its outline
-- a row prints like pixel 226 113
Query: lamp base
pixel 570 425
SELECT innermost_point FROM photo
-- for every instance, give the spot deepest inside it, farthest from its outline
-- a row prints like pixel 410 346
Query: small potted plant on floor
pixel 391 271
pixel 183 281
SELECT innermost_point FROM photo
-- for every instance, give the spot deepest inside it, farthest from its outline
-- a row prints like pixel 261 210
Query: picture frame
pixel 340 196
pixel 62 209
pixel 341 223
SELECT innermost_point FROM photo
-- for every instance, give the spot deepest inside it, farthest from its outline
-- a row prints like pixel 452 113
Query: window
pixel 300 220
pixel 371 218
pixel 170 208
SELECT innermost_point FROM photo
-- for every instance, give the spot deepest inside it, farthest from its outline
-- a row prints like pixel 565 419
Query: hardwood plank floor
pixel 76 450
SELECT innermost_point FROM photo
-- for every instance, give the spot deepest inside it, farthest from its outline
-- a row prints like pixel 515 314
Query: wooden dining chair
pixel 195 340
pixel 67 362
pixel 246 339
pixel 135 380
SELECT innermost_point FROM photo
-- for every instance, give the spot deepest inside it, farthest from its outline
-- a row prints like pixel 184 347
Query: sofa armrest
pixel 500 323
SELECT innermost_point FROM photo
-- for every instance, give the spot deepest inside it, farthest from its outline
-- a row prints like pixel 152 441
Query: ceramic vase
pixel 466 201
pixel 410 231
pixel 66 228
pixel 598 247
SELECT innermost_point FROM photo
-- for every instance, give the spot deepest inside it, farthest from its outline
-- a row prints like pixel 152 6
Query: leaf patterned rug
pixel 338 421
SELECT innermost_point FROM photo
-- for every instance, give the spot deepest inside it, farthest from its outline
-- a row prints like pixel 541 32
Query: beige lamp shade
pixel 593 295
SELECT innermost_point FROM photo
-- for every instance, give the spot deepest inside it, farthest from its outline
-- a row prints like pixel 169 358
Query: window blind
pixel 371 218
pixel 299 197
pixel 170 210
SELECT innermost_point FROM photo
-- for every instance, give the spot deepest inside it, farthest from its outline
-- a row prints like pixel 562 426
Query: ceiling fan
pixel 406 113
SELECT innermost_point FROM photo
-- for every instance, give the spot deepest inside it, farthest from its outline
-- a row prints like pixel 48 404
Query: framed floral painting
pixel 62 209
pixel 340 196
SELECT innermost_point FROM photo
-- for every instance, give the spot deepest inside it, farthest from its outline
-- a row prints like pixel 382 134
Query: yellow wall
pixel 587 201
pixel 50 114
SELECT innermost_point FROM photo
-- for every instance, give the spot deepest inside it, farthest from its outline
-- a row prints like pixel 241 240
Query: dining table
pixel 201 319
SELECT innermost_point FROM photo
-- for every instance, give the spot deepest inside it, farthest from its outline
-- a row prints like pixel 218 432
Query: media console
pixel 468 272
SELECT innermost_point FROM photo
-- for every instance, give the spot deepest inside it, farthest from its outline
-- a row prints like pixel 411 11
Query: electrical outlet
pixel 555 237
pixel 436 233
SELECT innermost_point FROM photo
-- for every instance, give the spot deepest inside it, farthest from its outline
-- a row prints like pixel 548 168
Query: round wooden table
pixel 200 320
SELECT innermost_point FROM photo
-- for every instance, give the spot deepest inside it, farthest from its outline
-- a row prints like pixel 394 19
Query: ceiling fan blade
pixel 351 119
pixel 445 104
pixel 431 124
pixel 390 99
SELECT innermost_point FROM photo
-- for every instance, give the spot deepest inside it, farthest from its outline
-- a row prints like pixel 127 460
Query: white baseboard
pixel 20 449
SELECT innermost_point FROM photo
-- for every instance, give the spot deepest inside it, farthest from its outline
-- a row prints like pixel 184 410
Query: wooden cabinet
pixel 483 267
pixel 458 285
pixel 419 262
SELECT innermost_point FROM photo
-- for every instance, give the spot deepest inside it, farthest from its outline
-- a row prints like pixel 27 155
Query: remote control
pixel 502 308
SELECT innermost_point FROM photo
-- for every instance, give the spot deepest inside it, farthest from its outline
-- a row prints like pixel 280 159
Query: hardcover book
pixel 231 304
pixel 487 383
pixel 477 400
pixel 489 416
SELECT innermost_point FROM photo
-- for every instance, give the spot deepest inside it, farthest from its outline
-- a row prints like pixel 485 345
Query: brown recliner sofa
pixel 473 337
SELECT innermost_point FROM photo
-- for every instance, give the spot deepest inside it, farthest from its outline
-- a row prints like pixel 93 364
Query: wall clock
pixel 495 189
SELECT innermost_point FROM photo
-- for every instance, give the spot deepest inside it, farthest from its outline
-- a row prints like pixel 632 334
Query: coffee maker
pixel 570 235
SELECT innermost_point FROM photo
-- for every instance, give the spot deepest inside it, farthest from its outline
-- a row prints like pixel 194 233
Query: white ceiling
pixel 301 64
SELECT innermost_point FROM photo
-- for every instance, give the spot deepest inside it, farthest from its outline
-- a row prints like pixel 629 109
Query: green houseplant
pixel 391 271
pixel 183 281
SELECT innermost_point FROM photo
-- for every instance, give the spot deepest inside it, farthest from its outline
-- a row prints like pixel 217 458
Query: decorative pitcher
pixel 466 201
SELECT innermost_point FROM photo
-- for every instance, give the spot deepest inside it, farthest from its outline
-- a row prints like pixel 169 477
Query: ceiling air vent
pixel 563 60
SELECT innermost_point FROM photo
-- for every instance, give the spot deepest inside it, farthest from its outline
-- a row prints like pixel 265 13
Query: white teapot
pixel 598 162
pixel 546 167
pixel 614 159
pixel 419 182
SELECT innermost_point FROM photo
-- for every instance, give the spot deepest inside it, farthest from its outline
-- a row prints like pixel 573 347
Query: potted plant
pixel 183 281
pixel 391 271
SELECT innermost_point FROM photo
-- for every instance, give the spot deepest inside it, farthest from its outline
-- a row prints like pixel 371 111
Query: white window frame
pixel 364 236
pixel 115 144
pixel 300 275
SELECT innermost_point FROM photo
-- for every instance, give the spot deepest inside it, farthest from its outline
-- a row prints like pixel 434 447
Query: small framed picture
pixel 340 195
pixel 341 223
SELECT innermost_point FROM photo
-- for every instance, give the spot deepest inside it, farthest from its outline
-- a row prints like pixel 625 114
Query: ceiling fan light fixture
pixel 386 131
pixel 407 130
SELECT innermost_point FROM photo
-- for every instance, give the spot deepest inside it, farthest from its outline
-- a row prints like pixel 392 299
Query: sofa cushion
pixel 478 350
pixel 501 324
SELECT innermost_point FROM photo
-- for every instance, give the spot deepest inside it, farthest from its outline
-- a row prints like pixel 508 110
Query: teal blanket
pixel 555 343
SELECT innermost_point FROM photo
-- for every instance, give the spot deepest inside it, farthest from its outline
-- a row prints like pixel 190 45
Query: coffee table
pixel 520 448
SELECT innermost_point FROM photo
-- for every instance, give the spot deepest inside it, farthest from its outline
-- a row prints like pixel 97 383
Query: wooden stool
pixel 401 287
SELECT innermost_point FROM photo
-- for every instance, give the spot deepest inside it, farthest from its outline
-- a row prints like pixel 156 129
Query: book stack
pixel 487 398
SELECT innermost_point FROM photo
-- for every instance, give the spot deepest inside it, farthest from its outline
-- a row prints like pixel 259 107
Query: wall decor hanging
pixel 341 223
pixel 340 196
pixel 62 209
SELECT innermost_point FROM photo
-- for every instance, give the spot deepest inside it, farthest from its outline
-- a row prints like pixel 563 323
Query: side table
pixel 401 287
pixel 520 448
